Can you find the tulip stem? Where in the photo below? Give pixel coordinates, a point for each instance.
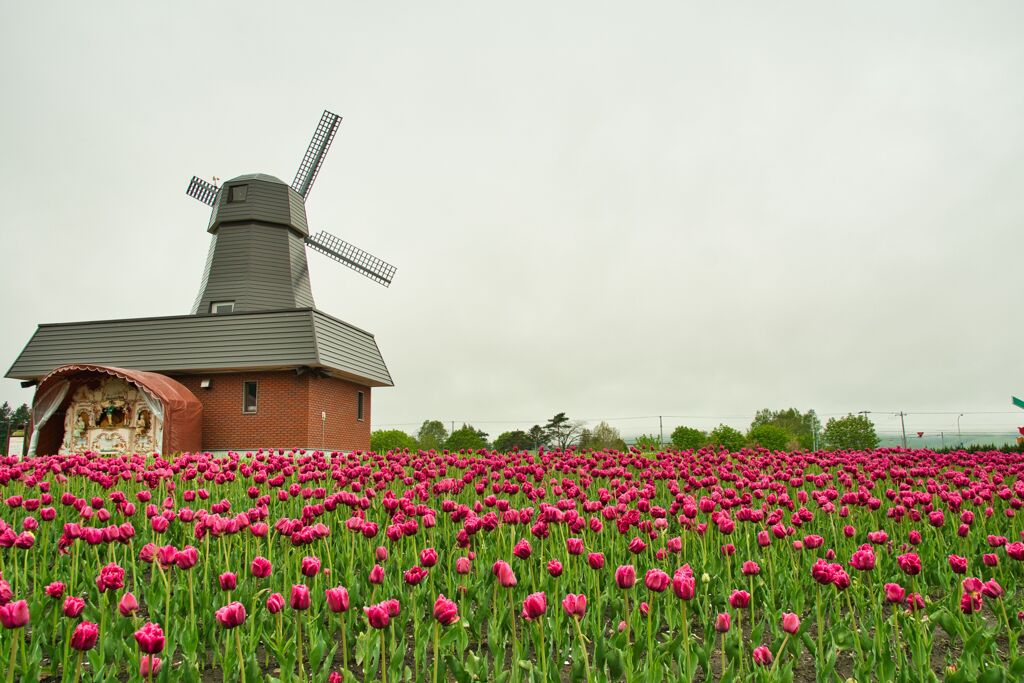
(739, 625)
(383, 659)
(583, 648)
(686, 640)
(821, 629)
(344, 647)
(14, 655)
(298, 640)
(241, 661)
(78, 667)
(897, 650)
(437, 638)
(650, 629)
(625, 600)
(779, 655)
(721, 676)
(543, 658)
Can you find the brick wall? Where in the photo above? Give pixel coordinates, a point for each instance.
(288, 412)
(337, 398)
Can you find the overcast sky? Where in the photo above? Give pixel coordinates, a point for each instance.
(615, 210)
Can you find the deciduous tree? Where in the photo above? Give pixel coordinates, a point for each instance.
(688, 438)
(602, 437)
(508, 441)
(853, 432)
(432, 435)
(724, 435)
(770, 436)
(466, 437)
(801, 425)
(391, 440)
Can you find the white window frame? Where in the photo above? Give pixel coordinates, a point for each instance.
(215, 305)
(255, 407)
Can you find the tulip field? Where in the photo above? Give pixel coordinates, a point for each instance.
(287, 565)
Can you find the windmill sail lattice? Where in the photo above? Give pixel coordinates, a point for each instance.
(315, 153)
(202, 190)
(352, 256)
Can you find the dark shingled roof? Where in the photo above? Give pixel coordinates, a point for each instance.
(277, 339)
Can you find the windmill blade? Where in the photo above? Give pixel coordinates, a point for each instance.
(355, 258)
(315, 153)
(202, 190)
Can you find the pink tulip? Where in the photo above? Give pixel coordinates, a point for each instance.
(446, 611)
(85, 636)
(231, 615)
(534, 606)
(575, 605)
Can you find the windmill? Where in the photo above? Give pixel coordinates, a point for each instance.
(257, 258)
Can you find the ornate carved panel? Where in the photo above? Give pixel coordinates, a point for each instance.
(112, 417)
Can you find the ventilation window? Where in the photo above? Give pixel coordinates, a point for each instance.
(359, 405)
(221, 307)
(249, 397)
(237, 193)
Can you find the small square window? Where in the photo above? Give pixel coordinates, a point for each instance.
(219, 307)
(237, 193)
(249, 397)
(359, 405)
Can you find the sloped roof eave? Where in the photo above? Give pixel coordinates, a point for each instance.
(303, 337)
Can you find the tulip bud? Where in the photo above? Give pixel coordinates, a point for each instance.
(128, 605)
(228, 581)
(14, 614)
(149, 664)
(150, 638)
(337, 599)
(446, 611)
(300, 597)
(261, 567)
(739, 599)
(231, 615)
(575, 605)
(310, 566)
(762, 656)
(534, 606)
(85, 636)
(275, 603)
(73, 606)
(625, 576)
(377, 615)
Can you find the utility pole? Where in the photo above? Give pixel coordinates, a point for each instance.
(661, 432)
(942, 435)
(904, 428)
(959, 436)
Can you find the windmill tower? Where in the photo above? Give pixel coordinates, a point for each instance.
(257, 258)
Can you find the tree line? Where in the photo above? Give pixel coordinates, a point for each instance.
(787, 429)
(12, 420)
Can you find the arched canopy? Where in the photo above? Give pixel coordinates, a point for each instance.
(181, 411)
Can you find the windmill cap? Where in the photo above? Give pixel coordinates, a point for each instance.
(258, 198)
(256, 176)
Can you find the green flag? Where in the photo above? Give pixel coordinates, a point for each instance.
(1017, 402)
